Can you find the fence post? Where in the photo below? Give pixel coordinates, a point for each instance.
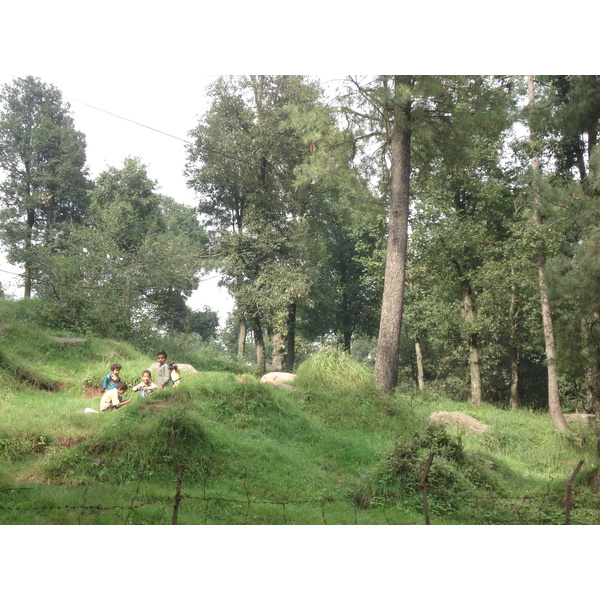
(424, 488)
(177, 494)
(569, 501)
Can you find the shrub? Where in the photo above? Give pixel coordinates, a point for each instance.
(451, 477)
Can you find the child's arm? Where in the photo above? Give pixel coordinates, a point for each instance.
(119, 404)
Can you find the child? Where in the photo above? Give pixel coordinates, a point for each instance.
(113, 399)
(163, 376)
(111, 380)
(175, 374)
(146, 386)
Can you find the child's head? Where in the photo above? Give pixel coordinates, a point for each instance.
(115, 368)
(161, 357)
(172, 366)
(121, 386)
(146, 377)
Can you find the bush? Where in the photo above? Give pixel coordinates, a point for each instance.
(451, 479)
(334, 370)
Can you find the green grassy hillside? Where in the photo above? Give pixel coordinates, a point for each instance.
(332, 450)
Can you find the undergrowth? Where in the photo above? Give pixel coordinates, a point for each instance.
(334, 449)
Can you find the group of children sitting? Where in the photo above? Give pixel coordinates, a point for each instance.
(113, 387)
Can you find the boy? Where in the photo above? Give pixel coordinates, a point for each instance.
(113, 399)
(164, 375)
(111, 380)
(175, 374)
(146, 386)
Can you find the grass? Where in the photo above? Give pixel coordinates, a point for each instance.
(335, 450)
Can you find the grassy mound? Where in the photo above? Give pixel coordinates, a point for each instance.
(334, 449)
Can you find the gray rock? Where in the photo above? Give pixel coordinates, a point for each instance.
(461, 420)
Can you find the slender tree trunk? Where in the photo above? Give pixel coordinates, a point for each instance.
(28, 250)
(556, 414)
(420, 370)
(259, 342)
(241, 346)
(475, 391)
(388, 341)
(514, 348)
(290, 357)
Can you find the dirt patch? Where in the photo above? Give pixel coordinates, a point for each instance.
(68, 441)
(93, 392)
(67, 340)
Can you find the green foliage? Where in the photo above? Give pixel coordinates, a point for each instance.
(130, 267)
(333, 369)
(402, 470)
(42, 157)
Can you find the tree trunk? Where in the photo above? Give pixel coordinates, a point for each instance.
(475, 392)
(514, 348)
(420, 371)
(259, 342)
(388, 341)
(279, 347)
(28, 250)
(290, 357)
(241, 346)
(556, 414)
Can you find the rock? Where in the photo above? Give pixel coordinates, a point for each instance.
(181, 366)
(284, 386)
(67, 340)
(459, 419)
(278, 378)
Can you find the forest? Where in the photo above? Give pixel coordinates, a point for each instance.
(442, 230)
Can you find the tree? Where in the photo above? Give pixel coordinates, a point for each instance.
(129, 268)
(243, 168)
(558, 419)
(43, 158)
(433, 119)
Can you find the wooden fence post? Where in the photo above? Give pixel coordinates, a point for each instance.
(424, 488)
(177, 494)
(569, 501)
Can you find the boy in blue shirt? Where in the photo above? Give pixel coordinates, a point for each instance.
(111, 380)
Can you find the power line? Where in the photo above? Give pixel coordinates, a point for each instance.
(187, 142)
(159, 131)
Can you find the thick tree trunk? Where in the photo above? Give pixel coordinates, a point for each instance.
(259, 342)
(556, 414)
(279, 348)
(290, 357)
(388, 341)
(475, 391)
(420, 370)
(241, 346)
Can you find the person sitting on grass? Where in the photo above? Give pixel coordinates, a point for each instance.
(113, 399)
(175, 374)
(111, 380)
(146, 386)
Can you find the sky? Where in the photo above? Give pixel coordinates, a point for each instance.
(150, 62)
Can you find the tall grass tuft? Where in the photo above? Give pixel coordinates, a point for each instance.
(333, 370)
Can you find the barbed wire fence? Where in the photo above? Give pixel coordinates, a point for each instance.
(518, 507)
